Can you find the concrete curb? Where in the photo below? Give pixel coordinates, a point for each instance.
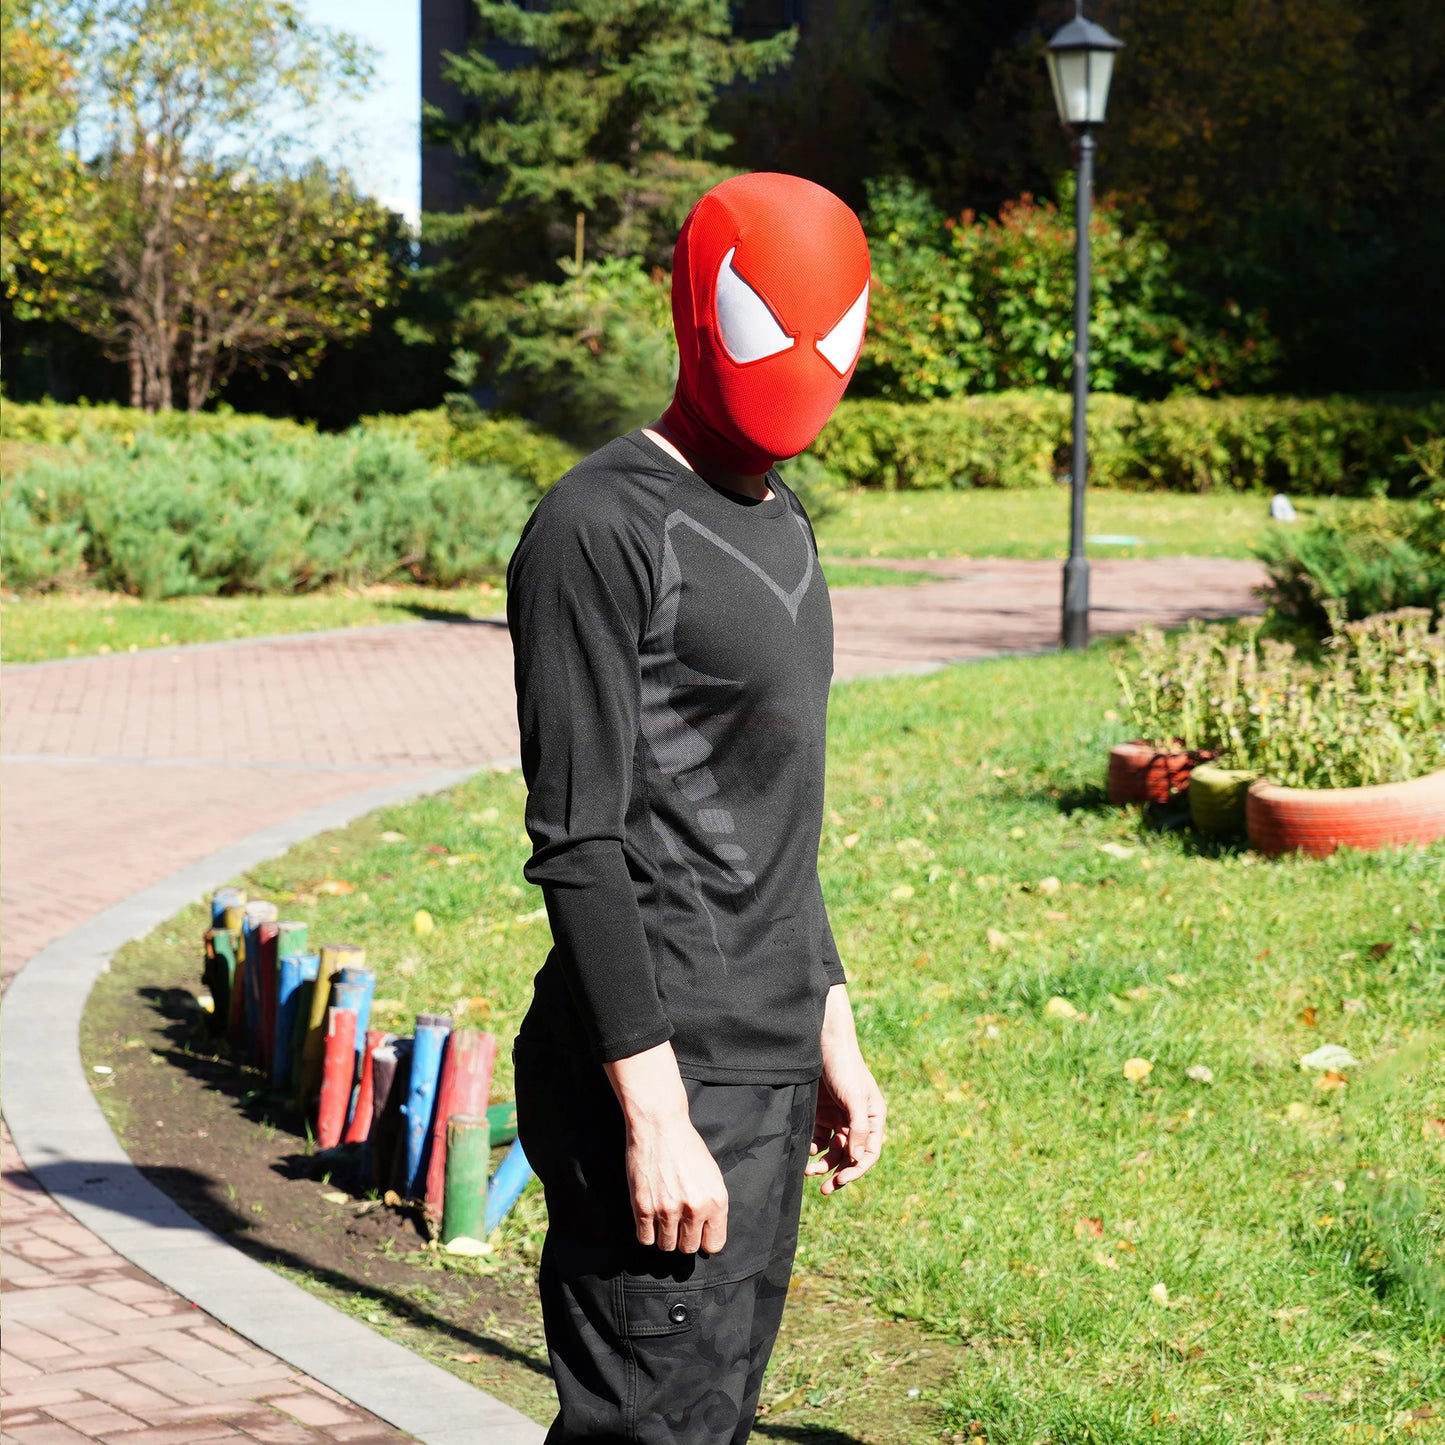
(68, 1146)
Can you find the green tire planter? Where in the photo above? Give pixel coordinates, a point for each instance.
(1216, 799)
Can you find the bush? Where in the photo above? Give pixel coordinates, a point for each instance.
(240, 508)
(1372, 710)
(1337, 446)
(464, 434)
(1385, 558)
(978, 305)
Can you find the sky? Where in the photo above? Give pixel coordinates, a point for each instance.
(376, 138)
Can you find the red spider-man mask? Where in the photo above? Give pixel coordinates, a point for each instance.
(769, 298)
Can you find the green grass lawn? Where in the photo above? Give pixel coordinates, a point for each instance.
(83, 623)
(1158, 1261)
(1036, 523)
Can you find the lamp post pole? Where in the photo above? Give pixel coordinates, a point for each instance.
(1076, 569)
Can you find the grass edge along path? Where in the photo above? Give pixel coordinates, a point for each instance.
(1127, 1250)
(85, 624)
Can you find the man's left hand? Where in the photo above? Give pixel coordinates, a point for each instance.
(849, 1127)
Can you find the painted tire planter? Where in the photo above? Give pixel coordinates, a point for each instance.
(1217, 799)
(1317, 821)
(1142, 773)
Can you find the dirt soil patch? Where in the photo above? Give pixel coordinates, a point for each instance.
(210, 1132)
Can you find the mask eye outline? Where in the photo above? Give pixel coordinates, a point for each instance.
(848, 328)
(747, 327)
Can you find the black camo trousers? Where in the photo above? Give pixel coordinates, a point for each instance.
(648, 1346)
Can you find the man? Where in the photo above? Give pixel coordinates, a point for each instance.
(690, 1042)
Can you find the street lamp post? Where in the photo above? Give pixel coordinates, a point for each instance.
(1081, 64)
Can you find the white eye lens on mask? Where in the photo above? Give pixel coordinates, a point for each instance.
(840, 346)
(749, 329)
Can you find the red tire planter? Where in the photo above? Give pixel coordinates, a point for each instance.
(1317, 821)
(1142, 773)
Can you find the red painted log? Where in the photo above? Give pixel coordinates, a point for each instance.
(466, 1081)
(359, 1129)
(338, 1069)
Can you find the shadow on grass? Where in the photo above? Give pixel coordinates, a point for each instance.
(426, 613)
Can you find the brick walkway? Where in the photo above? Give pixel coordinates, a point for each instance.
(119, 770)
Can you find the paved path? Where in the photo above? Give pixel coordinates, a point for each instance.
(119, 770)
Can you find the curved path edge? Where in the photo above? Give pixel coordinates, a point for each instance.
(69, 1147)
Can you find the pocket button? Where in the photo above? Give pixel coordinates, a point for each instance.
(678, 1314)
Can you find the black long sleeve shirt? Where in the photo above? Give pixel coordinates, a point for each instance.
(673, 647)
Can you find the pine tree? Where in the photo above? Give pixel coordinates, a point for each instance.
(607, 118)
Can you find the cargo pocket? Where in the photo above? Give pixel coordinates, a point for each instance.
(690, 1351)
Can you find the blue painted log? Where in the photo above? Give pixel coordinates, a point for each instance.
(426, 1062)
(221, 900)
(296, 971)
(507, 1185)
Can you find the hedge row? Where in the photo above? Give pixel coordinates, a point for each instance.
(253, 507)
(163, 506)
(1336, 446)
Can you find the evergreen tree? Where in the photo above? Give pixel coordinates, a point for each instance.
(594, 134)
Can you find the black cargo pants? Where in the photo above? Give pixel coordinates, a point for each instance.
(648, 1346)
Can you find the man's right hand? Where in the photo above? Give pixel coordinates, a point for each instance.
(679, 1199)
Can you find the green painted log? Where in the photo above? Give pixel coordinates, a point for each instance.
(502, 1118)
(219, 971)
(469, 1158)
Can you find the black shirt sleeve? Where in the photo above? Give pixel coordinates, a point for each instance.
(832, 964)
(579, 590)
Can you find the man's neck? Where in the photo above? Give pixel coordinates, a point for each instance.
(755, 487)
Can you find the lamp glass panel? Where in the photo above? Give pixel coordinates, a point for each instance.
(1101, 72)
(1072, 85)
(1052, 62)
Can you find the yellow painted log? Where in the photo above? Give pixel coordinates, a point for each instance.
(334, 957)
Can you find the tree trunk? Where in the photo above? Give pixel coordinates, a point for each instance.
(137, 378)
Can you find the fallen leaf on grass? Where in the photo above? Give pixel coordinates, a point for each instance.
(1200, 1073)
(1379, 950)
(392, 836)
(1048, 886)
(1116, 850)
(1329, 1056)
(852, 840)
(437, 848)
(1309, 1017)
(1352, 1005)
(1433, 1128)
(1105, 1260)
(1141, 993)
(1087, 1228)
(335, 887)
(1179, 980)
(901, 892)
(1137, 1070)
(423, 923)
(466, 1359)
(1331, 1079)
(1297, 1111)
(1054, 916)
(1159, 1293)
(996, 939)
(1060, 1008)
